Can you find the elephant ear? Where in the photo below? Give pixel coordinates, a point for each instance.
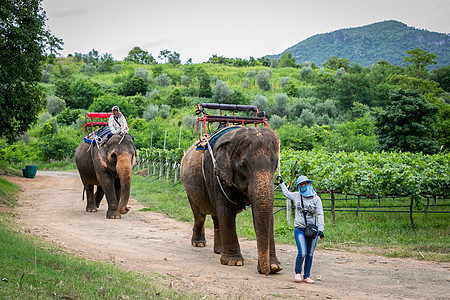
(102, 152)
(223, 163)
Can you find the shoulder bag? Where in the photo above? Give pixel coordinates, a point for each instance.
(311, 230)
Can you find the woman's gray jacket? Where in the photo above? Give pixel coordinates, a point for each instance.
(313, 208)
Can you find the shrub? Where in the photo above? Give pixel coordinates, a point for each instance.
(143, 74)
(221, 92)
(276, 122)
(45, 76)
(55, 105)
(189, 122)
(176, 99)
(263, 81)
(284, 82)
(82, 93)
(133, 86)
(151, 112)
(261, 102)
(163, 80)
(68, 116)
(281, 106)
(307, 118)
(164, 111)
(327, 108)
(106, 102)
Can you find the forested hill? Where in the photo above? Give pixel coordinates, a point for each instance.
(387, 40)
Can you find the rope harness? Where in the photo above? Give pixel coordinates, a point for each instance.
(213, 139)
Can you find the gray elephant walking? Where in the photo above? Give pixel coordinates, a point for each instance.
(108, 168)
(240, 174)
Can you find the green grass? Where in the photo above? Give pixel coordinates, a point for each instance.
(388, 234)
(33, 269)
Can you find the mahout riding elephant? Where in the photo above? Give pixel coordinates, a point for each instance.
(242, 174)
(109, 168)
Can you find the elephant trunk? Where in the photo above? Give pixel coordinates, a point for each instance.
(261, 194)
(123, 169)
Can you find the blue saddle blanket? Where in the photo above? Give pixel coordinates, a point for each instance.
(215, 136)
(98, 136)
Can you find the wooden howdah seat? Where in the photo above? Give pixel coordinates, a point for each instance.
(203, 118)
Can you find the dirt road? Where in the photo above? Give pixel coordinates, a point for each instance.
(50, 206)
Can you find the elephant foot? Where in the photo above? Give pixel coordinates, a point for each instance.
(275, 266)
(200, 242)
(218, 250)
(90, 209)
(113, 215)
(237, 260)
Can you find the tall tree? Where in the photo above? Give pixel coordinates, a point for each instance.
(139, 56)
(420, 58)
(24, 42)
(406, 124)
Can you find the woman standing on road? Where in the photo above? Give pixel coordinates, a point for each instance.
(310, 208)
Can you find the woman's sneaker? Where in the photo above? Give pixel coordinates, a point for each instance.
(298, 278)
(308, 280)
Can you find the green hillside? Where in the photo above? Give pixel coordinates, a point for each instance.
(387, 40)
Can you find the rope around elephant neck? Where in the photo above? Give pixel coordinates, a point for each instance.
(217, 177)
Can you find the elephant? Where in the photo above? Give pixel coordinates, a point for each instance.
(241, 174)
(109, 168)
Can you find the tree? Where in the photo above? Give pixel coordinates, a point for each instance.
(287, 60)
(24, 42)
(174, 58)
(420, 58)
(335, 63)
(82, 93)
(204, 90)
(176, 99)
(281, 107)
(133, 86)
(163, 80)
(139, 56)
(442, 76)
(163, 54)
(406, 124)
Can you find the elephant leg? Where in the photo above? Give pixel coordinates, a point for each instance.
(108, 185)
(217, 239)
(231, 250)
(98, 196)
(198, 231)
(275, 265)
(90, 205)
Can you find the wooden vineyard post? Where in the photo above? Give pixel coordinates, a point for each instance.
(288, 211)
(332, 208)
(411, 212)
(357, 208)
(175, 167)
(168, 170)
(161, 167)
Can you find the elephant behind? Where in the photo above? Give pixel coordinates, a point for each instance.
(109, 168)
(245, 162)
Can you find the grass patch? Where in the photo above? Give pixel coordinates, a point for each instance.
(388, 234)
(32, 269)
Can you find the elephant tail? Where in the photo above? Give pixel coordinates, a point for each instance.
(82, 195)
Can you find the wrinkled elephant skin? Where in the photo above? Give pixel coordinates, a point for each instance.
(108, 168)
(246, 160)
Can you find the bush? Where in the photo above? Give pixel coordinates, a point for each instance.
(68, 116)
(263, 81)
(164, 111)
(163, 80)
(55, 105)
(276, 122)
(261, 102)
(151, 112)
(106, 102)
(281, 106)
(297, 137)
(59, 146)
(327, 108)
(307, 118)
(284, 82)
(82, 93)
(176, 99)
(221, 92)
(143, 74)
(45, 76)
(133, 86)
(189, 122)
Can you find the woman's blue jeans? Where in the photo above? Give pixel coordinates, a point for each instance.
(305, 251)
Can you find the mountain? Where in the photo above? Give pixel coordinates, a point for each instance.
(366, 45)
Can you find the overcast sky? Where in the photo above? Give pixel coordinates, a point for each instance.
(198, 29)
